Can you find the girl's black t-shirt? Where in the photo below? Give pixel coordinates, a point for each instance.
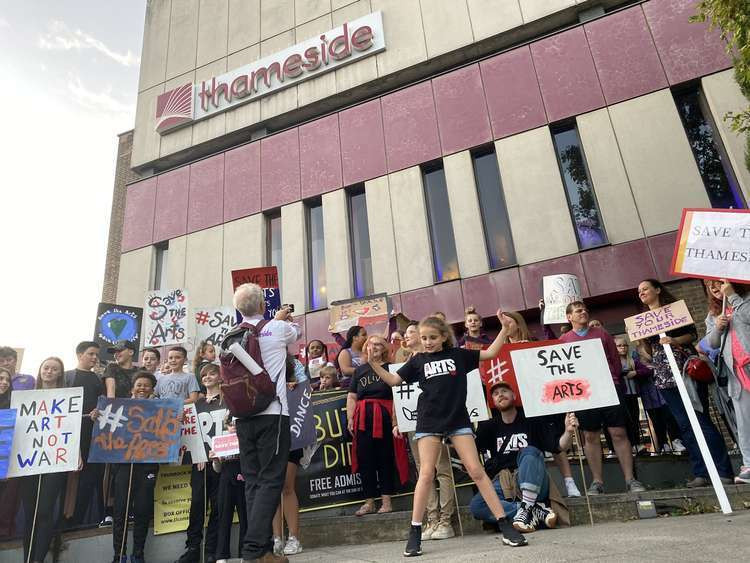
(368, 385)
(442, 377)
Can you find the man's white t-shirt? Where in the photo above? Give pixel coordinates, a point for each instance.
(274, 339)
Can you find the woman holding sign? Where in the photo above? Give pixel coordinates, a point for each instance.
(653, 295)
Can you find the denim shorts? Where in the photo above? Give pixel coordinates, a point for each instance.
(457, 432)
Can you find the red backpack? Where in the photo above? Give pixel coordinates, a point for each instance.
(245, 394)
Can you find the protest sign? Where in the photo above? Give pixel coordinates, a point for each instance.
(7, 427)
(213, 323)
(191, 437)
(117, 322)
(165, 319)
(225, 445)
(136, 431)
(361, 311)
(406, 397)
(556, 377)
(713, 243)
(172, 499)
(301, 418)
(268, 279)
(500, 369)
(559, 291)
(653, 322)
(47, 434)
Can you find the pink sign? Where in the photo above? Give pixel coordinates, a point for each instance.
(225, 445)
(650, 323)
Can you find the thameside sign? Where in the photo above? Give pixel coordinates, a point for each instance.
(342, 45)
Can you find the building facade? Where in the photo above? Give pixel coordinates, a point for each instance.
(449, 153)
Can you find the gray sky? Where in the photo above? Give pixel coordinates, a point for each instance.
(69, 84)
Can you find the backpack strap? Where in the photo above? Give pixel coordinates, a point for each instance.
(256, 329)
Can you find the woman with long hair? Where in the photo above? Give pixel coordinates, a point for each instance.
(350, 356)
(6, 387)
(653, 294)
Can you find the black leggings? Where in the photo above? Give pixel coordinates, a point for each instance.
(142, 500)
(664, 424)
(231, 496)
(47, 512)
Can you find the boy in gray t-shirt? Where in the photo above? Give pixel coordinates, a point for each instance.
(177, 384)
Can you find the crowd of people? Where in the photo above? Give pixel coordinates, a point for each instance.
(505, 456)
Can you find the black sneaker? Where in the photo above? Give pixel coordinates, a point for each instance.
(414, 545)
(190, 556)
(511, 536)
(544, 515)
(523, 521)
(106, 522)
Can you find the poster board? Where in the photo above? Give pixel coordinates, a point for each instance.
(500, 369)
(212, 324)
(117, 322)
(559, 291)
(268, 279)
(172, 499)
(225, 445)
(191, 437)
(362, 311)
(7, 429)
(165, 317)
(301, 418)
(653, 322)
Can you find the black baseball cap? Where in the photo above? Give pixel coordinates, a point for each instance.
(121, 345)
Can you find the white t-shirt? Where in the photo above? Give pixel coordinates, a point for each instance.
(274, 339)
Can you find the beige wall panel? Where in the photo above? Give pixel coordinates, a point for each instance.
(490, 17)
(364, 70)
(177, 139)
(306, 10)
(176, 262)
(276, 16)
(535, 9)
(294, 256)
(337, 246)
(658, 159)
(155, 42)
(723, 95)
(244, 247)
(336, 4)
(382, 241)
(213, 126)
(244, 24)
(325, 85)
(135, 276)
(203, 266)
(535, 197)
(608, 175)
(146, 141)
(212, 31)
(248, 113)
(413, 249)
(350, 12)
(446, 26)
(183, 38)
(465, 214)
(286, 99)
(404, 35)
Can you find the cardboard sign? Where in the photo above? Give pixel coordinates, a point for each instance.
(172, 499)
(301, 419)
(211, 419)
(191, 439)
(559, 291)
(225, 445)
(500, 369)
(165, 318)
(361, 311)
(714, 244)
(268, 279)
(406, 397)
(47, 434)
(136, 431)
(7, 428)
(650, 323)
(212, 324)
(117, 322)
(559, 377)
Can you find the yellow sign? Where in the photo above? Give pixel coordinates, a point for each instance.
(172, 499)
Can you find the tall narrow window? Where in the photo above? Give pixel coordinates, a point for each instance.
(360, 240)
(578, 188)
(441, 226)
(497, 233)
(273, 242)
(159, 279)
(713, 163)
(316, 255)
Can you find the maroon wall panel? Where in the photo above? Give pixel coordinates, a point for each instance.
(138, 224)
(171, 204)
(493, 291)
(512, 91)
(532, 274)
(410, 126)
(445, 297)
(206, 196)
(320, 156)
(625, 55)
(279, 169)
(316, 326)
(362, 143)
(662, 250)
(461, 109)
(566, 74)
(616, 268)
(242, 181)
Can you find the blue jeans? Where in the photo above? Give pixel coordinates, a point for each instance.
(532, 476)
(715, 442)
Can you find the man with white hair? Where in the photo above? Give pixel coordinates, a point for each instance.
(264, 439)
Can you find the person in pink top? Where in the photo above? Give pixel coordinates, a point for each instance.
(613, 418)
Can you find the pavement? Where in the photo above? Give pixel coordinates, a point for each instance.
(704, 537)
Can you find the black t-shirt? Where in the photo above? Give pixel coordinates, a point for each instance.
(504, 440)
(123, 379)
(368, 385)
(93, 388)
(442, 378)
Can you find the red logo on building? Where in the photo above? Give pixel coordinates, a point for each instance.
(174, 108)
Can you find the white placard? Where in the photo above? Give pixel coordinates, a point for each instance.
(559, 291)
(212, 324)
(192, 437)
(165, 317)
(225, 445)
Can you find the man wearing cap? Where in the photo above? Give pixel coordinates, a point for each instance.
(516, 445)
(118, 374)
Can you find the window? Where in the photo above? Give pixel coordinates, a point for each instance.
(578, 188)
(159, 280)
(273, 242)
(360, 241)
(441, 227)
(497, 233)
(713, 163)
(316, 256)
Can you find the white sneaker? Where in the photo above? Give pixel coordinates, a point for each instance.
(292, 546)
(278, 546)
(221, 561)
(572, 489)
(428, 530)
(678, 446)
(443, 531)
(666, 449)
